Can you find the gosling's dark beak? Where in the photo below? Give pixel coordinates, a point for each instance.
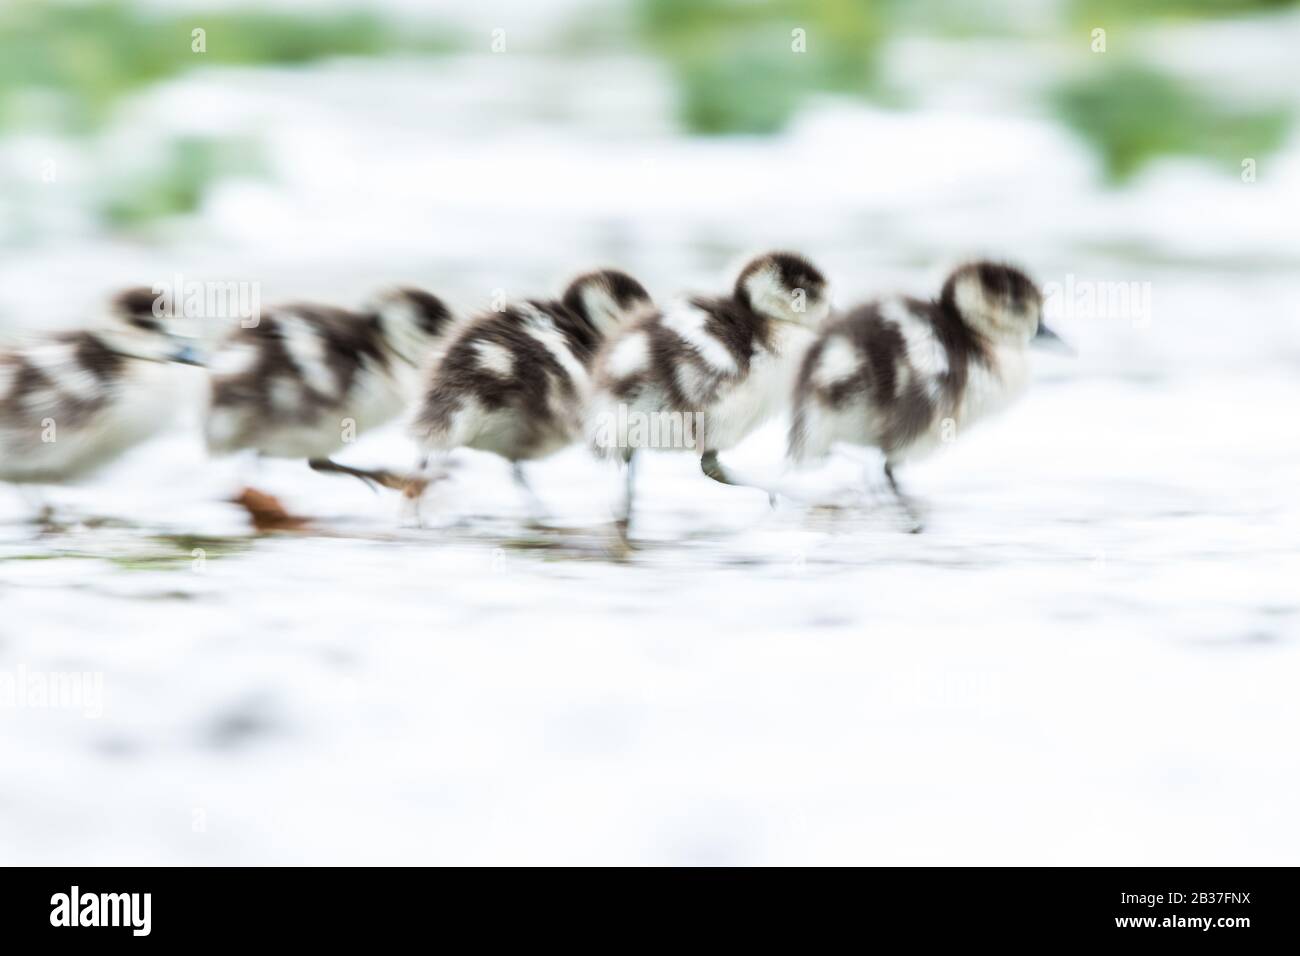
(1045, 338)
(186, 355)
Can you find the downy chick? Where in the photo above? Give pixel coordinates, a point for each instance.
(902, 374)
(516, 382)
(305, 378)
(705, 373)
(71, 402)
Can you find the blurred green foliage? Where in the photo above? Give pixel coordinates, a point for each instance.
(90, 54)
(1131, 114)
(176, 183)
(736, 73)
(1095, 11)
(735, 63)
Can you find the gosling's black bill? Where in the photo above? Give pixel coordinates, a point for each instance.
(187, 355)
(1045, 338)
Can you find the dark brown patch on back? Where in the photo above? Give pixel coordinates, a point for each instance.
(351, 345)
(432, 314)
(96, 357)
(536, 376)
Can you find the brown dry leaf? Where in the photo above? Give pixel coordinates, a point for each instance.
(267, 513)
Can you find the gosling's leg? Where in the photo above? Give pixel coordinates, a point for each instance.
(373, 479)
(413, 493)
(909, 507)
(39, 510)
(624, 521)
(537, 510)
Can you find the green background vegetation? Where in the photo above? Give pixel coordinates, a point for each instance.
(89, 55)
(65, 67)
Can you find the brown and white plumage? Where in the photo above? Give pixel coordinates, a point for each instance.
(903, 374)
(516, 382)
(724, 362)
(306, 378)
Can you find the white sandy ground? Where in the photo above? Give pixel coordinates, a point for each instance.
(1089, 657)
